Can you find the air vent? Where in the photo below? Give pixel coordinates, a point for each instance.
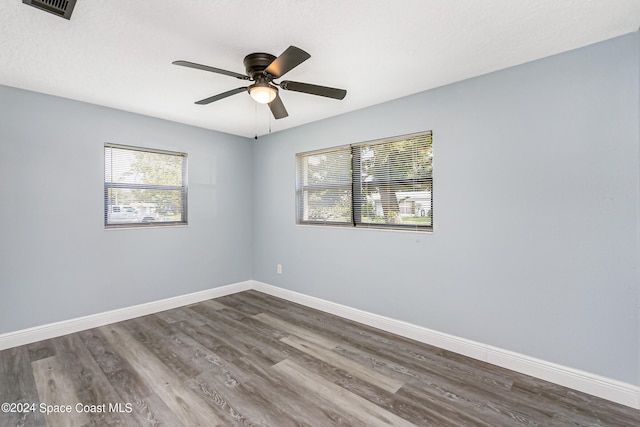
(61, 8)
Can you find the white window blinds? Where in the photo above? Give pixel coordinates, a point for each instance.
(324, 187)
(378, 184)
(144, 187)
(394, 183)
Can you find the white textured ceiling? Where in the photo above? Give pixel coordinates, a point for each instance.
(118, 53)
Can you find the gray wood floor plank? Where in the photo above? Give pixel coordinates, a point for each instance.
(161, 346)
(245, 389)
(291, 329)
(566, 404)
(212, 304)
(148, 408)
(210, 361)
(183, 357)
(57, 390)
(253, 359)
(230, 344)
(403, 357)
(353, 368)
(300, 406)
(243, 304)
(465, 384)
(359, 410)
(41, 349)
(17, 386)
(91, 386)
(244, 335)
(454, 409)
(244, 405)
(181, 314)
(300, 357)
(214, 386)
(190, 409)
(410, 409)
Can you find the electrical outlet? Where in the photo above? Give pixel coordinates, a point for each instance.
(279, 268)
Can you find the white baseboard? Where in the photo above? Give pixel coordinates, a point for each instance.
(52, 330)
(595, 385)
(606, 388)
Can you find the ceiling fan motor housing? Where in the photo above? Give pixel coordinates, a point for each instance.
(255, 64)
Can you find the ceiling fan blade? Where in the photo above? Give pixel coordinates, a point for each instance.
(289, 59)
(329, 92)
(220, 96)
(277, 108)
(211, 69)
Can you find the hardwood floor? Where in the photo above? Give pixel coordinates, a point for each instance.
(252, 359)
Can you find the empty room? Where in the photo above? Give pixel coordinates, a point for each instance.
(320, 213)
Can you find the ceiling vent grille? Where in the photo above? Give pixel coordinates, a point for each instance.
(61, 8)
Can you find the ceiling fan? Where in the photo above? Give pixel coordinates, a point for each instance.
(262, 69)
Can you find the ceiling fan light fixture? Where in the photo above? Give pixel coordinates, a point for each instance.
(263, 93)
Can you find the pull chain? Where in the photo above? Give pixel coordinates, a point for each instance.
(256, 116)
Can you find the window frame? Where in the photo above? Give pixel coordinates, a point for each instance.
(357, 184)
(146, 186)
(302, 188)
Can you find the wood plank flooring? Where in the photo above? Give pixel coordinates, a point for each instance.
(250, 359)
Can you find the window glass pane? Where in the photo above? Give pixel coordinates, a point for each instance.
(395, 182)
(332, 167)
(396, 204)
(144, 187)
(324, 186)
(130, 166)
(143, 206)
(327, 205)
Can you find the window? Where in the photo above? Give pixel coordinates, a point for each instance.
(144, 187)
(325, 186)
(378, 184)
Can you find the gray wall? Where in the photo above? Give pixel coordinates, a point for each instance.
(536, 200)
(57, 262)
